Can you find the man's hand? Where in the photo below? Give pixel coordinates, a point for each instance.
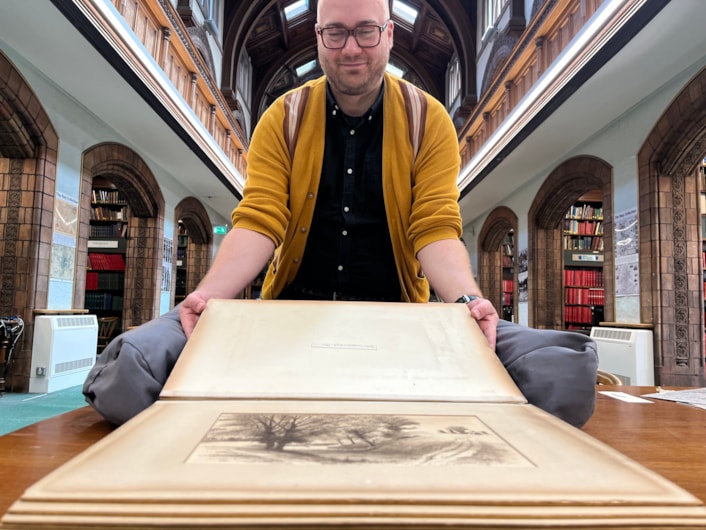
(240, 258)
(190, 310)
(446, 264)
(487, 317)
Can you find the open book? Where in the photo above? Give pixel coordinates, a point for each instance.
(347, 414)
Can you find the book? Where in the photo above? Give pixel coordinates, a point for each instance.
(347, 415)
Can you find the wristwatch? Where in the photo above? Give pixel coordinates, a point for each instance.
(465, 298)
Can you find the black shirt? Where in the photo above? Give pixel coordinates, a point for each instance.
(348, 250)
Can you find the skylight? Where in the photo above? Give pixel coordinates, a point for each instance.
(405, 11)
(395, 70)
(295, 9)
(305, 68)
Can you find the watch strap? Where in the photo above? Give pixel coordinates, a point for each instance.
(465, 298)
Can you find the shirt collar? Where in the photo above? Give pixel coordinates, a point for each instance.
(332, 108)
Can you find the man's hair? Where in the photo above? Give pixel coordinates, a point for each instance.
(389, 8)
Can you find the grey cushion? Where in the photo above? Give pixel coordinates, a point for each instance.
(130, 372)
(555, 370)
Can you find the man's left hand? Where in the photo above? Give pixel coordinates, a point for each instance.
(487, 317)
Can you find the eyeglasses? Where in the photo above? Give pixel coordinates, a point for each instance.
(366, 36)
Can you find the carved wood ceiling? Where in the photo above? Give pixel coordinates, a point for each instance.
(277, 46)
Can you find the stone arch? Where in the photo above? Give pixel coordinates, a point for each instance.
(145, 236)
(502, 49)
(560, 190)
(497, 225)
(199, 37)
(28, 161)
(671, 267)
(200, 248)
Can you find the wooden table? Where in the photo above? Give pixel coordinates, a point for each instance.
(667, 437)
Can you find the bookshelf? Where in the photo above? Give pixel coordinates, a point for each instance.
(109, 214)
(584, 292)
(508, 277)
(107, 244)
(181, 263)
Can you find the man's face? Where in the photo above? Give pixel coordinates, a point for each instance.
(353, 70)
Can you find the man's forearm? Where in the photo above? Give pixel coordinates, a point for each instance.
(448, 269)
(242, 255)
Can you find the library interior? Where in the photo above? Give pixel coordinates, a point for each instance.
(125, 134)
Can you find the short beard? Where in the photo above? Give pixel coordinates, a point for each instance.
(338, 83)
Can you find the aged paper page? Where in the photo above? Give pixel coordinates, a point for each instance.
(339, 350)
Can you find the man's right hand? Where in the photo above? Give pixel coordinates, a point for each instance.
(190, 310)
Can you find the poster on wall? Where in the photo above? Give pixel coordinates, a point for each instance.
(167, 251)
(63, 248)
(65, 215)
(522, 275)
(627, 269)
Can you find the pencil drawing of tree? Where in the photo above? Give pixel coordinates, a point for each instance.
(371, 431)
(354, 439)
(276, 432)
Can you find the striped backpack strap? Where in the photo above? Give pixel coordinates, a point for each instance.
(415, 103)
(294, 105)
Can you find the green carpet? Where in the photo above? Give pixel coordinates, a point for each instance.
(20, 410)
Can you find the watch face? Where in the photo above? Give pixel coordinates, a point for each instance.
(464, 299)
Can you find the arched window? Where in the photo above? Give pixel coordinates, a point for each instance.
(491, 13)
(453, 84)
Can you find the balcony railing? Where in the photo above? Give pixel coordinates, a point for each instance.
(548, 33)
(157, 25)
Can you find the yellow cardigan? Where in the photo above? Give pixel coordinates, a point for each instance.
(421, 200)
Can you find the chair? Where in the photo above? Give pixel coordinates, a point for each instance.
(106, 328)
(606, 378)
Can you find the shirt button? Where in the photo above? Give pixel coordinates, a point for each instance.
(340, 267)
(349, 171)
(352, 132)
(344, 232)
(346, 209)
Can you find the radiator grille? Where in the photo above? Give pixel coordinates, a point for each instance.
(69, 366)
(75, 322)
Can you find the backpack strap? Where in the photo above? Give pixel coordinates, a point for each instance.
(294, 105)
(415, 103)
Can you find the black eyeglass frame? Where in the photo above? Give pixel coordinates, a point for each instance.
(352, 33)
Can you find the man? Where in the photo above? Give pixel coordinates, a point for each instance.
(425, 231)
(353, 211)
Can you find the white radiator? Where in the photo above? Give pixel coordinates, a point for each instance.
(627, 353)
(63, 351)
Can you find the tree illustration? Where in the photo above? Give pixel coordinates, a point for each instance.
(275, 432)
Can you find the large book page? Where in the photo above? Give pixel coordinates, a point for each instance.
(243, 464)
(281, 349)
